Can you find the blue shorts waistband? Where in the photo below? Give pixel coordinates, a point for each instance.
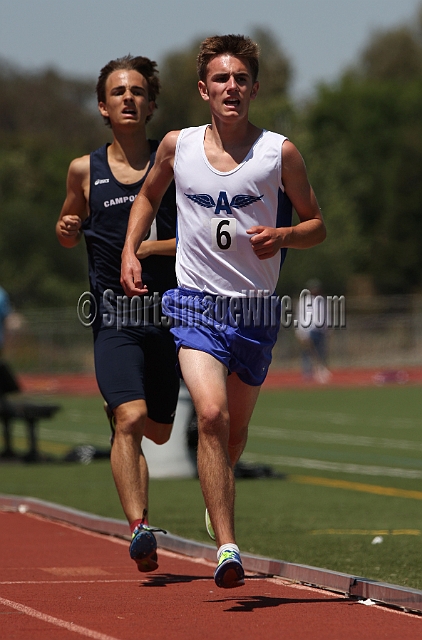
(189, 308)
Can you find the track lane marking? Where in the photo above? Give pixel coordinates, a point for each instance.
(368, 532)
(70, 626)
(62, 436)
(340, 418)
(120, 580)
(301, 435)
(357, 486)
(342, 467)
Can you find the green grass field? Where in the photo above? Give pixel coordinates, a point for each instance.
(350, 467)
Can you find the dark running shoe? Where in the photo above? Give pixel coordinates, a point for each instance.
(143, 548)
(229, 572)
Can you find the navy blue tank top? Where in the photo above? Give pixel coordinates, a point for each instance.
(105, 228)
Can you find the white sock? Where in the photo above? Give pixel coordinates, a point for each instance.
(230, 546)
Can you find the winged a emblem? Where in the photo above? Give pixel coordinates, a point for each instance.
(240, 201)
(202, 198)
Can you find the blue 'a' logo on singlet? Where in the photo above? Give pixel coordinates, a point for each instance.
(223, 205)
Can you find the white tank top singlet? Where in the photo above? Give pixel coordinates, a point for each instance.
(214, 210)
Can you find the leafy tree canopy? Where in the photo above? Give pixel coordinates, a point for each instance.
(364, 136)
(39, 136)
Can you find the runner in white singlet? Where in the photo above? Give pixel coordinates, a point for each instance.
(232, 179)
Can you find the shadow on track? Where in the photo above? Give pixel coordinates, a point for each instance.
(251, 603)
(164, 579)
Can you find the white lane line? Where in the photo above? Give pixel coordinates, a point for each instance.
(302, 415)
(54, 435)
(67, 581)
(324, 465)
(333, 438)
(70, 626)
(339, 418)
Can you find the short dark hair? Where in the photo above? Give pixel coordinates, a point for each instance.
(144, 66)
(235, 45)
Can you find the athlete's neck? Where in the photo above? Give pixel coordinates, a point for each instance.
(129, 156)
(226, 146)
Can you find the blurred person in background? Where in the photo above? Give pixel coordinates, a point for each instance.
(135, 358)
(5, 312)
(311, 332)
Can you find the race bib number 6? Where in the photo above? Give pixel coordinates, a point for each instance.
(223, 234)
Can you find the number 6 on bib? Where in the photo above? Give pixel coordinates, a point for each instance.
(223, 234)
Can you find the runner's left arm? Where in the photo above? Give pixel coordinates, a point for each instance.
(157, 248)
(310, 231)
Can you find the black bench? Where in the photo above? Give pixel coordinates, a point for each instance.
(29, 412)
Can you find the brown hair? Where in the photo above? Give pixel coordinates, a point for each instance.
(235, 45)
(144, 66)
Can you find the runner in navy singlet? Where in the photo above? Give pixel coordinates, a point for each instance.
(135, 357)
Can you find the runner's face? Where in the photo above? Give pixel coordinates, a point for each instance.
(229, 87)
(127, 99)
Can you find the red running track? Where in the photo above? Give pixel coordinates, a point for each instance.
(85, 384)
(61, 582)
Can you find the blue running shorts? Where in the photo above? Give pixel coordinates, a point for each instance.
(133, 363)
(239, 332)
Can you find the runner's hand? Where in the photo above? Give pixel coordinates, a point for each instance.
(131, 275)
(265, 241)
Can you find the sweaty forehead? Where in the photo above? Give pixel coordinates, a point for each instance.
(125, 77)
(226, 63)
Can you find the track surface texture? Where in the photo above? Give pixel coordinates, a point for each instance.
(59, 582)
(85, 384)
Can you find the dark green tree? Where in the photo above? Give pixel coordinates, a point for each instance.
(48, 107)
(179, 102)
(272, 108)
(45, 121)
(364, 140)
(395, 55)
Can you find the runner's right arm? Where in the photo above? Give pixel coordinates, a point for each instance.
(75, 206)
(143, 212)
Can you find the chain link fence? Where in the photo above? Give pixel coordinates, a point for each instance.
(383, 332)
(49, 341)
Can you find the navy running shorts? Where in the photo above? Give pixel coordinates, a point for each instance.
(240, 333)
(133, 363)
